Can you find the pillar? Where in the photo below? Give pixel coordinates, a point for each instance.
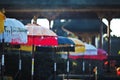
(109, 43)
(100, 15)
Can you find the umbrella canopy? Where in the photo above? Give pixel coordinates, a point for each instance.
(64, 44)
(14, 31)
(79, 45)
(37, 30)
(89, 50)
(65, 41)
(101, 55)
(2, 18)
(39, 36)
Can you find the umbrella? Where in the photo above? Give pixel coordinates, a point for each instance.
(71, 45)
(89, 50)
(14, 33)
(64, 41)
(38, 36)
(2, 18)
(64, 44)
(79, 45)
(91, 53)
(101, 55)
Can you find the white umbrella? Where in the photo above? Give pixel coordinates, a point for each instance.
(90, 49)
(14, 32)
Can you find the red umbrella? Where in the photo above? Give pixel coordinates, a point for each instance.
(39, 36)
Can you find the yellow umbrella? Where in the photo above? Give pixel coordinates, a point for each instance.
(2, 18)
(79, 45)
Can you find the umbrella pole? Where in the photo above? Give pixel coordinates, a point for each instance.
(54, 63)
(19, 68)
(68, 65)
(20, 64)
(32, 70)
(2, 67)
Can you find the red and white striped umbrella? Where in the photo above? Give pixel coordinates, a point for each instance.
(40, 36)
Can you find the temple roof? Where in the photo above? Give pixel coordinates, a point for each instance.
(26, 9)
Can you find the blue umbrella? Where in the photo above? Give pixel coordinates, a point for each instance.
(65, 44)
(64, 41)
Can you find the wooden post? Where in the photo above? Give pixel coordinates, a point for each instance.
(49, 23)
(35, 19)
(101, 35)
(109, 43)
(100, 15)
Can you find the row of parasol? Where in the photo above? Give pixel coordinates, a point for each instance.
(33, 37)
(41, 39)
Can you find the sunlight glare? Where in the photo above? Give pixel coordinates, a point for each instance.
(115, 25)
(43, 22)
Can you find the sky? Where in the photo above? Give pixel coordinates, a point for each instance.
(43, 22)
(115, 25)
